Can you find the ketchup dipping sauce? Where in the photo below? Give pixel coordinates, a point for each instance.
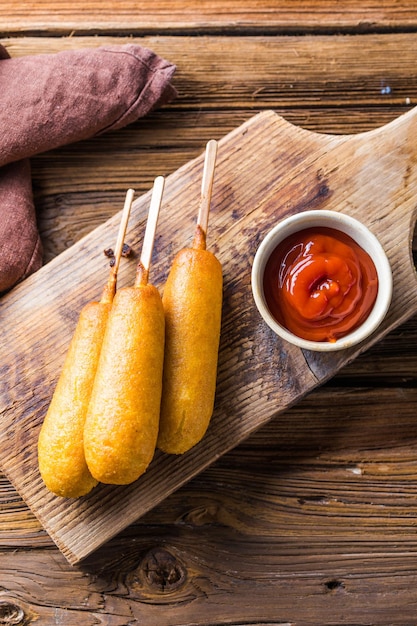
(321, 280)
(320, 284)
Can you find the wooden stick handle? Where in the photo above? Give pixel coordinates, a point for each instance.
(110, 288)
(206, 191)
(150, 230)
(122, 229)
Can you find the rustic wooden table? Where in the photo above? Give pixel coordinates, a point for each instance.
(312, 520)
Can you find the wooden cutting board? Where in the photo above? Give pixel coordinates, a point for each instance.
(266, 169)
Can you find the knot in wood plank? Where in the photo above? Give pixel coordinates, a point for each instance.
(161, 571)
(334, 585)
(11, 614)
(202, 515)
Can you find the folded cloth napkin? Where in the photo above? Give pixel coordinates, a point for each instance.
(20, 244)
(49, 100)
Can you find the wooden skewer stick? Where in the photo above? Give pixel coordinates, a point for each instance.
(122, 229)
(206, 191)
(150, 230)
(110, 288)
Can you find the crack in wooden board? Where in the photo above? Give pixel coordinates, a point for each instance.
(266, 169)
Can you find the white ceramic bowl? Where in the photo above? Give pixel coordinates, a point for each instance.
(363, 237)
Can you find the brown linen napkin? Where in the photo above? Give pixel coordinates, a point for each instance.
(20, 244)
(49, 100)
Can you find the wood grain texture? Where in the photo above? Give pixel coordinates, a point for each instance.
(312, 519)
(369, 176)
(326, 84)
(268, 71)
(127, 15)
(311, 506)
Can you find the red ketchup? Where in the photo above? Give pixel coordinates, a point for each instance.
(320, 284)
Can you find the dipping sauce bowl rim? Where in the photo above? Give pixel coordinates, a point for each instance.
(363, 237)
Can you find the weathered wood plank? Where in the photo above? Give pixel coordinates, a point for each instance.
(338, 447)
(183, 583)
(61, 16)
(272, 71)
(312, 519)
(250, 389)
(80, 186)
(294, 510)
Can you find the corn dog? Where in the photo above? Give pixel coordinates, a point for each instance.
(122, 420)
(60, 445)
(192, 302)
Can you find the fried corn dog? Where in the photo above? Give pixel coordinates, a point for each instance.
(61, 457)
(192, 302)
(122, 420)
